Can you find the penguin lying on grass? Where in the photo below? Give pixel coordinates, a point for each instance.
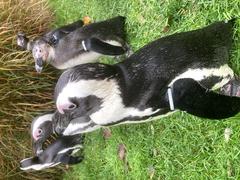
(76, 44)
(172, 73)
(60, 151)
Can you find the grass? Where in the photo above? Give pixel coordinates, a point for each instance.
(177, 147)
(23, 92)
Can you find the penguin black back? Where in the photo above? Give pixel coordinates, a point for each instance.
(166, 58)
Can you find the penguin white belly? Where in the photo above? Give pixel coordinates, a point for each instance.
(88, 57)
(224, 72)
(111, 114)
(153, 118)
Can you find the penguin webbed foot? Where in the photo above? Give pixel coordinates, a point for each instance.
(232, 88)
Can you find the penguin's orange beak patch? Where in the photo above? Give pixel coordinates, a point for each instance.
(86, 20)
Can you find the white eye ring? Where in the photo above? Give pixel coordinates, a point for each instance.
(72, 106)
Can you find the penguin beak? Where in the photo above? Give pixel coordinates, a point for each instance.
(39, 65)
(39, 151)
(37, 148)
(59, 130)
(60, 109)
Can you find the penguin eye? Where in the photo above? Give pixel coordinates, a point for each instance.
(39, 131)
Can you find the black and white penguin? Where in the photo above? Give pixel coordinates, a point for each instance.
(52, 37)
(153, 82)
(80, 44)
(60, 151)
(43, 126)
(41, 130)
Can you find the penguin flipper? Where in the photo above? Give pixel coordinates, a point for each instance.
(96, 45)
(190, 96)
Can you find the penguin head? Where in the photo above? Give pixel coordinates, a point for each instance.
(41, 130)
(83, 89)
(42, 52)
(42, 47)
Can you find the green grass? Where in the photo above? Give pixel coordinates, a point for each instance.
(180, 146)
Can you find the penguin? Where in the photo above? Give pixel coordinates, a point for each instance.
(144, 85)
(60, 151)
(81, 44)
(52, 37)
(43, 126)
(41, 130)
